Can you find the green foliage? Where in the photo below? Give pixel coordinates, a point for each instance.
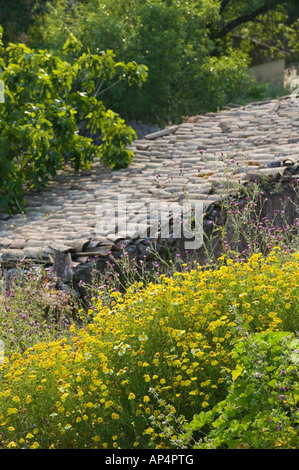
(16, 16)
(197, 52)
(170, 37)
(46, 99)
(268, 32)
(261, 408)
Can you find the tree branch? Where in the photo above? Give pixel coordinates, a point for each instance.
(110, 86)
(244, 19)
(223, 5)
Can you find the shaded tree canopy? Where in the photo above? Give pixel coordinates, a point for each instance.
(16, 16)
(272, 22)
(197, 52)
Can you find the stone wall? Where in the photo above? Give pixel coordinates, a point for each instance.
(273, 72)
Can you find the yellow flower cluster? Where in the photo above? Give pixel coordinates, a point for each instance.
(171, 340)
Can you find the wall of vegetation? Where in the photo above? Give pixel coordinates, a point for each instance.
(72, 72)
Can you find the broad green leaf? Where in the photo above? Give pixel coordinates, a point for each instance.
(237, 372)
(273, 383)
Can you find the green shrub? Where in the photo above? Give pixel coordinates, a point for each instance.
(46, 99)
(261, 408)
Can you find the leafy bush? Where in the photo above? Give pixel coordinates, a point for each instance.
(46, 99)
(154, 353)
(261, 408)
(188, 71)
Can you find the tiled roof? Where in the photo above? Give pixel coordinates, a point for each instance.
(197, 157)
